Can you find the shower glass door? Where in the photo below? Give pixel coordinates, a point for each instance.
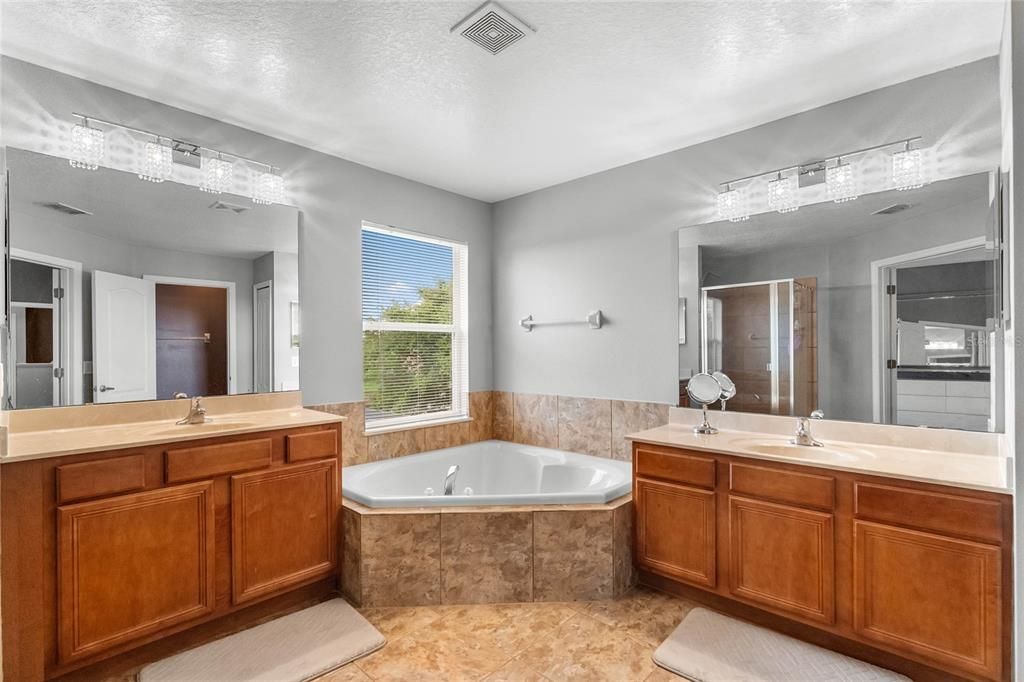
(748, 333)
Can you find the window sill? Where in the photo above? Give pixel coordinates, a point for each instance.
(426, 424)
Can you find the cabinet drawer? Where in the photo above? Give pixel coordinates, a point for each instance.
(672, 465)
(940, 512)
(209, 461)
(315, 445)
(100, 478)
(805, 490)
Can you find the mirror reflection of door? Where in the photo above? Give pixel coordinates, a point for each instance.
(37, 314)
(762, 336)
(124, 338)
(191, 340)
(263, 336)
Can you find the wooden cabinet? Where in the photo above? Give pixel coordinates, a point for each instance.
(675, 528)
(936, 596)
(781, 557)
(112, 556)
(282, 528)
(133, 564)
(870, 564)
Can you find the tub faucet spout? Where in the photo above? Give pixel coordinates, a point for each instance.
(449, 479)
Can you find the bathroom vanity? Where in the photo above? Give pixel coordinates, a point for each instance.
(844, 555)
(117, 536)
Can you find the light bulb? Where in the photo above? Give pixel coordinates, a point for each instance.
(732, 205)
(840, 182)
(218, 175)
(87, 147)
(906, 169)
(783, 193)
(157, 162)
(267, 188)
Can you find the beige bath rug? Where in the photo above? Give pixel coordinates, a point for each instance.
(710, 647)
(296, 647)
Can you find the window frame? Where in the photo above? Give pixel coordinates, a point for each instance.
(458, 329)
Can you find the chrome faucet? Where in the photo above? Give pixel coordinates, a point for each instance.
(803, 434)
(449, 479)
(196, 413)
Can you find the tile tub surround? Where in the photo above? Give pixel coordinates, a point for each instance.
(465, 555)
(590, 426)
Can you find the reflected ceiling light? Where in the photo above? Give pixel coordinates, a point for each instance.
(840, 182)
(218, 174)
(907, 171)
(783, 193)
(267, 187)
(157, 161)
(87, 146)
(733, 204)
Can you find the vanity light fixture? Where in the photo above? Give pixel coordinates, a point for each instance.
(907, 171)
(87, 145)
(784, 192)
(733, 204)
(218, 174)
(840, 182)
(157, 161)
(159, 154)
(267, 187)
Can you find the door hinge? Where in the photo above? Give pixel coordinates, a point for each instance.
(890, 289)
(58, 292)
(890, 364)
(58, 372)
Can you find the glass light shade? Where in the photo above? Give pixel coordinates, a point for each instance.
(267, 188)
(783, 193)
(732, 205)
(87, 147)
(841, 183)
(157, 162)
(907, 172)
(218, 175)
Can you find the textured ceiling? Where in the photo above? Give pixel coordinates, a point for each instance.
(599, 85)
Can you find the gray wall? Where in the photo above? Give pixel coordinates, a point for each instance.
(843, 269)
(334, 195)
(609, 240)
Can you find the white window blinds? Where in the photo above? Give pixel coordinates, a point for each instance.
(415, 341)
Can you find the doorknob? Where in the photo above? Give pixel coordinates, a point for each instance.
(104, 389)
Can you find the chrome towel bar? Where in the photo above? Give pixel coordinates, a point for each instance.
(595, 319)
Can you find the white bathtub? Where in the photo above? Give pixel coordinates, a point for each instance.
(498, 473)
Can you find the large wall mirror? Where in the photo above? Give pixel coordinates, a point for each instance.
(125, 290)
(885, 309)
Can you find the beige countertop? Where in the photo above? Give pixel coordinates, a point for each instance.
(96, 438)
(974, 471)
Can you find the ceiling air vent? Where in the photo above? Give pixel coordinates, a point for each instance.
(889, 210)
(225, 206)
(67, 208)
(493, 27)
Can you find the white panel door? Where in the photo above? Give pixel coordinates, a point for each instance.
(123, 338)
(263, 337)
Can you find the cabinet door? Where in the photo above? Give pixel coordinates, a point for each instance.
(782, 557)
(282, 528)
(132, 565)
(676, 531)
(931, 595)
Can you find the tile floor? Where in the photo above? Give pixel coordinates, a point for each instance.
(538, 642)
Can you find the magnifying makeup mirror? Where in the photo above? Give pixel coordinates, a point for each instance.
(704, 389)
(728, 387)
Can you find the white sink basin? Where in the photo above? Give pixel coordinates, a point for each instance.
(213, 425)
(783, 448)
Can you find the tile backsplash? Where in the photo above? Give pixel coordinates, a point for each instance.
(587, 425)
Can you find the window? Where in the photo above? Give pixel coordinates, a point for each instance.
(415, 340)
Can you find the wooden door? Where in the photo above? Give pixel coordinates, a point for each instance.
(928, 594)
(191, 340)
(283, 528)
(782, 557)
(675, 528)
(132, 565)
